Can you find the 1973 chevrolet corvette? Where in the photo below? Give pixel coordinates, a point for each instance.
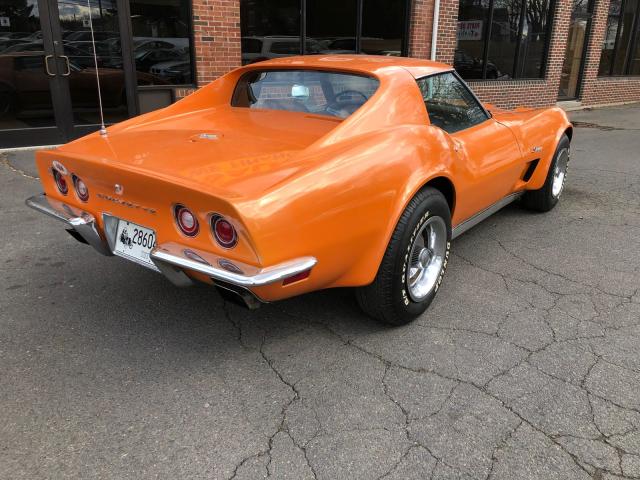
(304, 173)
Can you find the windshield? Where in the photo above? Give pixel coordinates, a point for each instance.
(309, 91)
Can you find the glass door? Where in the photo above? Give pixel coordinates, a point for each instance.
(577, 41)
(29, 84)
(48, 78)
(73, 22)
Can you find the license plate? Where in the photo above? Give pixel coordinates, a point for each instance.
(135, 242)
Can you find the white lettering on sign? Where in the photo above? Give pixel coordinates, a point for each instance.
(470, 30)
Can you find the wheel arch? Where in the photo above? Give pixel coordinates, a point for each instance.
(569, 132)
(445, 186)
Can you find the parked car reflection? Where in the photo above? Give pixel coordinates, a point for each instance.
(24, 90)
(470, 67)
(175, 71)
(256, 49)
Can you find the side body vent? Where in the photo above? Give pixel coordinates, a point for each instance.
(530, 169)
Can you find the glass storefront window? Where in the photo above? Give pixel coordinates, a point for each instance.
(621, 46)
(273, 28)
(162, 42)
(331, 26)
(266, 25)
(533, 44)
(472, 27)
(502, 39)
(25, 97)
(383, 23)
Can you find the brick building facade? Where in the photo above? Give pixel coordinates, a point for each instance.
(217, 45)
(150, 52)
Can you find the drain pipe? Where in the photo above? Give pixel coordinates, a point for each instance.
(434, 31)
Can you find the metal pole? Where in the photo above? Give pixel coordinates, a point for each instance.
(434, 31)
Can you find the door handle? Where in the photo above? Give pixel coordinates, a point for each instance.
(68, 72)
(46, 65)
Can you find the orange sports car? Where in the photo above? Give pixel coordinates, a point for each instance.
(304, 173)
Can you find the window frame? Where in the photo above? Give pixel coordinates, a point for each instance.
(404, 50)
(488, 29)
(632, 45)
(467, 88)
(128, 43)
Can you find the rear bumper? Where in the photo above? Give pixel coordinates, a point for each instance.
(171, 259)
(81, 222)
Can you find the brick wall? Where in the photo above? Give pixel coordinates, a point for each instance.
(216, 31)
(447, 31)
(420, 25)
(603, 90)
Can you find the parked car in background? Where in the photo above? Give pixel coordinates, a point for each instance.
(305, 173)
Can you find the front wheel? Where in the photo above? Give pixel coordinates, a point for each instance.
(545, 198)
(414, 263)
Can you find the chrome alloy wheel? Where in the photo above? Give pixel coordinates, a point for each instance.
(560, 172)
(426, 258)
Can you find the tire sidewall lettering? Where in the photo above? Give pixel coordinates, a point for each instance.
(404, 294)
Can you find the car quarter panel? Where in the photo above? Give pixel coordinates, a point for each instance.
(344, 212)
(538, 132)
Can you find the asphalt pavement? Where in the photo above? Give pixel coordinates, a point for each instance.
(526, 366)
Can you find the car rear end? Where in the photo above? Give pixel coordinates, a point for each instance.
(164, 224)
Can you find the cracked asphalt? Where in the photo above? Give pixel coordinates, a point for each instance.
(526, 366)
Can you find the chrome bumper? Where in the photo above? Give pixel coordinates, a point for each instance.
(172, 259)
(83, 223)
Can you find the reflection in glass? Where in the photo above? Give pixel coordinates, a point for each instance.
(25, 97)
(503, 42)
(79, 67)
(382, 27)
(625, 36)
(269, 29)
(575, 47)
(621, 47)
(472, 26)
(511, 46)
(307, 91)
(606, 58)
(535, 28)
(331, 26)
(161, 41)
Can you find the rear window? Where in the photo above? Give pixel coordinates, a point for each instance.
(309, 91)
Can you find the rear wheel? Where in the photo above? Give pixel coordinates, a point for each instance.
(545, 198)
(414, 263)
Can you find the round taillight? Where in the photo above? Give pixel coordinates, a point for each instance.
(223, 231)
(186, 220)
(81, 189)
(61, 182)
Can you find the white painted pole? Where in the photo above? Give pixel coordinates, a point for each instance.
(434, 32)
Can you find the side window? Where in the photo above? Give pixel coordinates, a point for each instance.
(450, 105)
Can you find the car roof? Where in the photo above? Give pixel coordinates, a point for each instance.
(370, 64)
